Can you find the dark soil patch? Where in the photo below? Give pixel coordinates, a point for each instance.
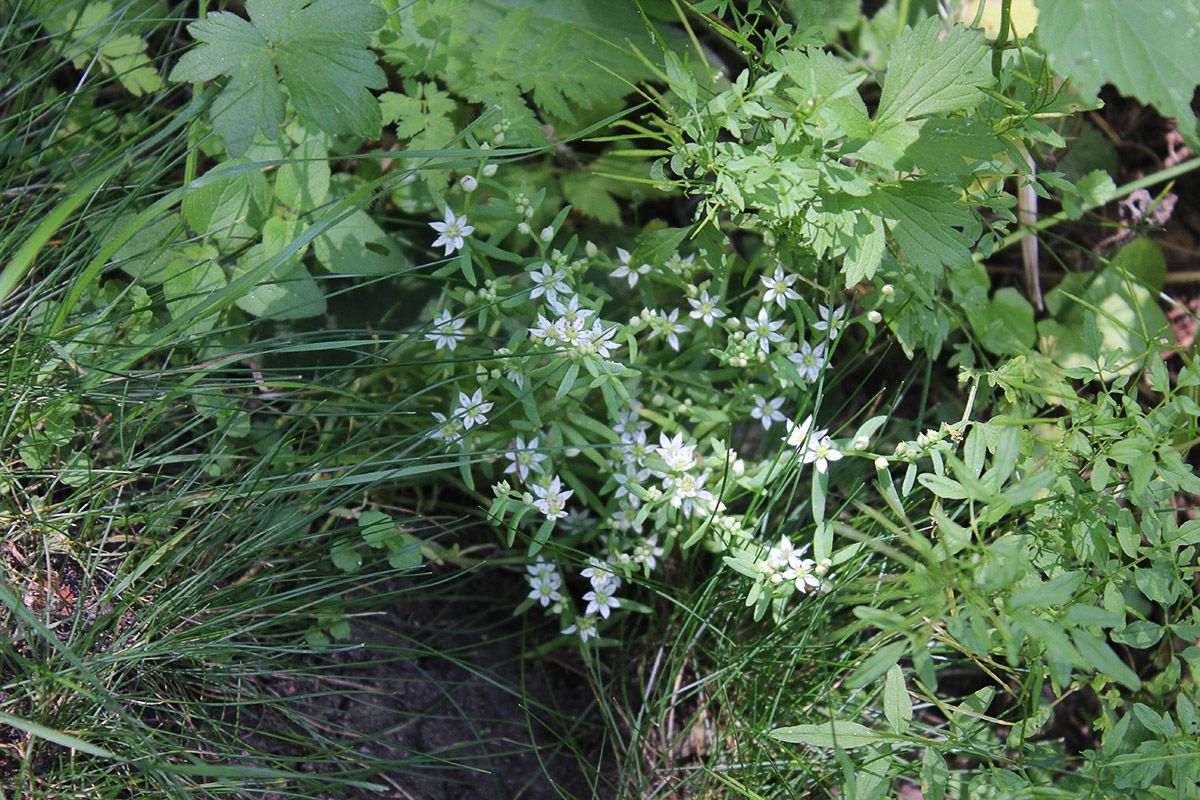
(443, 685)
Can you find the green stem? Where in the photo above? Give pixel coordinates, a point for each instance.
(1141, 183)
(901, 16)
(1001, 37)
(193, 145)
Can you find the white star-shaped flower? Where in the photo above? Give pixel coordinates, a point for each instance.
(472, 410)
(704, 308)
(445, 331)
(451, 231)
(767, 410)
(779, 288)
(809, 361)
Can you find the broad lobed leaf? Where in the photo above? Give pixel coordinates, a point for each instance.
(1149, 49)
(318, 51)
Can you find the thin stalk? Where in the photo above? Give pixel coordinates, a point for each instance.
(1171, 173)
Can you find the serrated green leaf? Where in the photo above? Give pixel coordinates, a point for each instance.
(589, 196)
(934, 71)
(656, 246)
(889, 143)
(317, 50)
(564, 55)
(1148, 49)
(817, 74)
(931, 224)
(831, 17)
(101, 34)
(836, 733)
(865, 249)
(1094, 189)
(949, 146)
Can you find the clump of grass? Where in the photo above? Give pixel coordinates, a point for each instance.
(172, 497)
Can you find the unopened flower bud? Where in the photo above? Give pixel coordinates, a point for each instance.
(874, 317)
(499, 138)
(861, 443)
(547, 233)
(591, 249)
(888, 290)
(524, 228)
(468, 183)
(881, 463)
(488, 170)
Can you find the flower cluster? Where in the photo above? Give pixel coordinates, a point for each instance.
(815, 447)
(582, 431)
(783, 564)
